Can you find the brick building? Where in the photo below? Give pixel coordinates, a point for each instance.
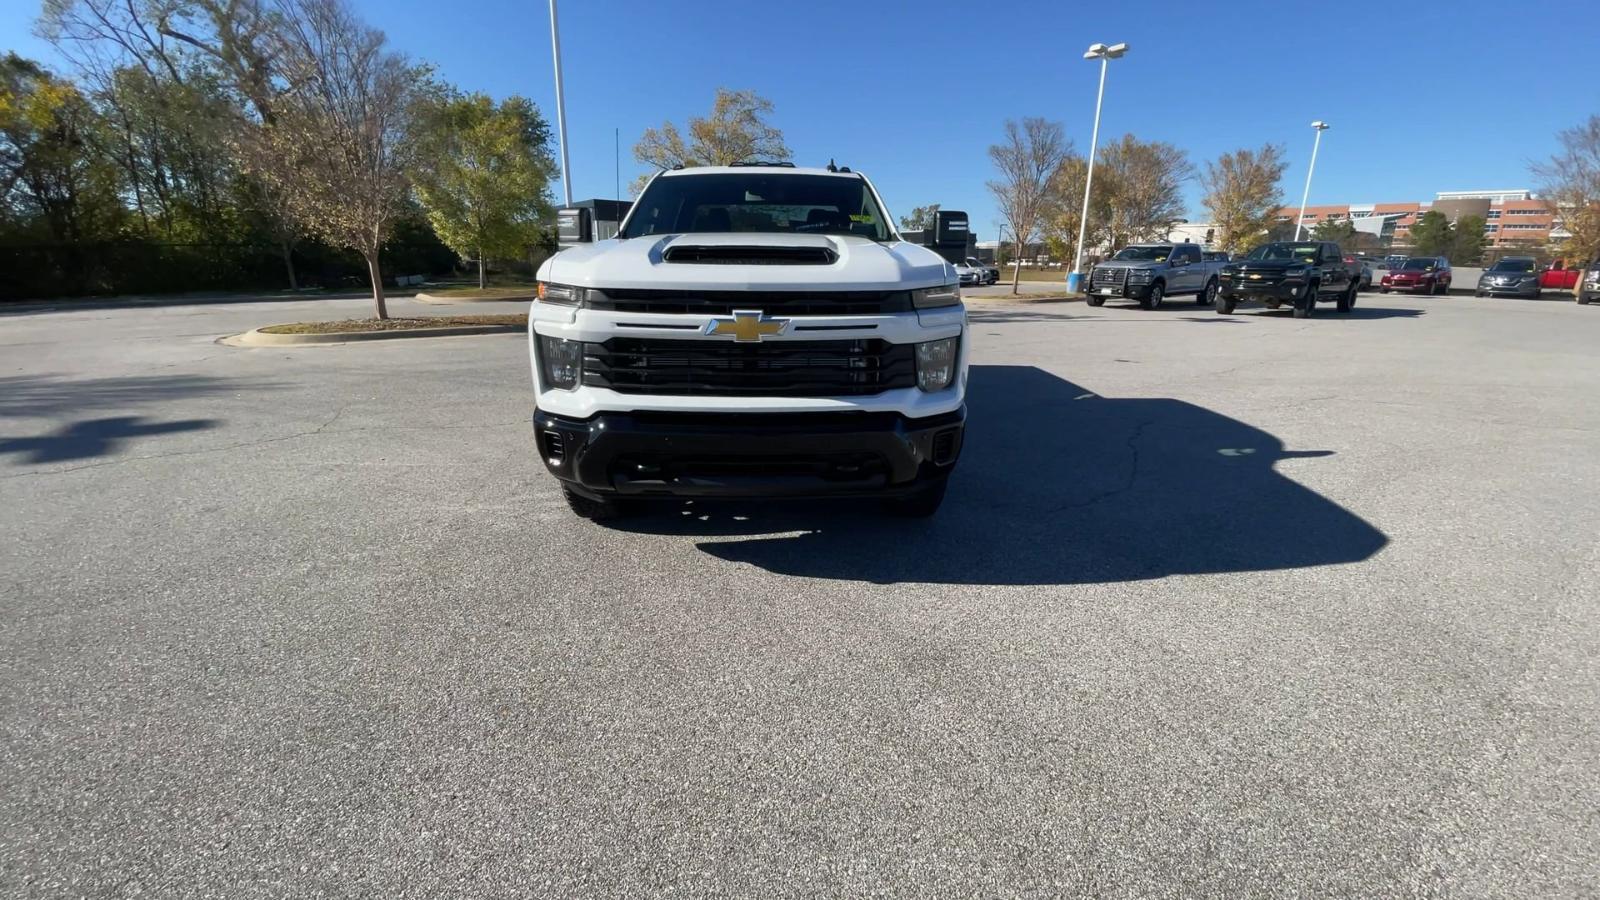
(1512, 218)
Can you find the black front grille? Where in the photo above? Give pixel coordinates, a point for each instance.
(777, 303)
(750, 256)
(1103, 277)
(767, 369)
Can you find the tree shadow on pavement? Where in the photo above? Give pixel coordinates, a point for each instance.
(50, 396)
(1057, 485)
(96, 437)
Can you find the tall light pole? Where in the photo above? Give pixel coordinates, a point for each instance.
(999, 244)
(1105, 54)
(1300, 220)
(561, 106)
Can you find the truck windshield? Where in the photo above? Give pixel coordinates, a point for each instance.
(756, 201)
(1144, 254)
(1284, 251)
(1513, 266)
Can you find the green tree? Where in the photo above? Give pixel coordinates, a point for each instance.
(736, 131)
(1466, 241)
(483, 174)
(1340, 231)
(1243, 195)
(1431, 236)
(55, 179)
(921, 218)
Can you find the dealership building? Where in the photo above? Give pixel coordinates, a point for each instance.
(1511, 218)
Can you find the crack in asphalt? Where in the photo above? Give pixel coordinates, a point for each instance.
(1127, 485)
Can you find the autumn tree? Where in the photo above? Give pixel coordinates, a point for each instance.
(1066, 209)
(1242, 195)
(338, 148)
(1144, 185)
(921, 218)
(1028, 160)
(483, 174)
(1569, 182)
(737, 130)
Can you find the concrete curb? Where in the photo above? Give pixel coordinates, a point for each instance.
(259, 338)
(447, 301)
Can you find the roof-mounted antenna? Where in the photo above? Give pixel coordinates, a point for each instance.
(832, 167)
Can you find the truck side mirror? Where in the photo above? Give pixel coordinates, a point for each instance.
(574, 225)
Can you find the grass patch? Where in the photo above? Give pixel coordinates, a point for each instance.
(473, 292)
(346, 326)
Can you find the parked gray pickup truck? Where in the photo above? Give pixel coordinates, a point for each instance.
(1149, 273)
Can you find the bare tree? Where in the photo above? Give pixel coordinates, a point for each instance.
(1243, 195)
(336, 150)
(1569, 183)
(736, 131)
(1028, 160)
(1144, 184)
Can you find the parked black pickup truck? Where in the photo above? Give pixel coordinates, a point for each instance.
(1300, 273)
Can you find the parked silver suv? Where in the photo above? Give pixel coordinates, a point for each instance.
(1150, 272)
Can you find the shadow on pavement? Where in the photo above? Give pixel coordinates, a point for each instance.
(44, 396)
(96, 437)
(1057, 485)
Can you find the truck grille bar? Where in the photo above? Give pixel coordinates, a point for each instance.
(769, 369)
(778, 303)
(1104, 277)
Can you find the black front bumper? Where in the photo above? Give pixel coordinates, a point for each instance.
(681, 454)
(1263, 290)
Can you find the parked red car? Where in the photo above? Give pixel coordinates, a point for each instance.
(1559, 277)
(1418, 275)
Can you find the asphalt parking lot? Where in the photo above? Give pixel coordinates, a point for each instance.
(1217, 606)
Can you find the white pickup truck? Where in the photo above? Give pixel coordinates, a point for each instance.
(1149, 273)
(751, 331)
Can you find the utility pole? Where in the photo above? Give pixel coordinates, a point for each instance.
(561, 106)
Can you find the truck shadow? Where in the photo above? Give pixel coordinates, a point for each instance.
(1057, 485)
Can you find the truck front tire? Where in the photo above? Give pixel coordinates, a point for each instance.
(1224, 304)
(1306, 302)
(597, 510)
(1208, 296)
(1152, 298)
(1092, 300)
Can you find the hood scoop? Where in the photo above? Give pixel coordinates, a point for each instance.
(732, 255)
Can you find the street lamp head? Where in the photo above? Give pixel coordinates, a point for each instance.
(1101, 51)
(1320, 125)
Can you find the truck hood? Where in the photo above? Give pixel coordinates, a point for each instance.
(1130, 264)
(1267, 265)
(710, 262)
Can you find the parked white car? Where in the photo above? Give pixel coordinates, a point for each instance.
(967, 274)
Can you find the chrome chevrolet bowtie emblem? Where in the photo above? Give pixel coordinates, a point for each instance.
(747, 326)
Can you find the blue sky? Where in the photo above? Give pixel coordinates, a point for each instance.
(1422, 96)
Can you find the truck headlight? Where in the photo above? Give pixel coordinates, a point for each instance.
(562, 362)
(1294, 274)
(935, 297)
(1140, 274)
(936, 364)
(560, 294)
